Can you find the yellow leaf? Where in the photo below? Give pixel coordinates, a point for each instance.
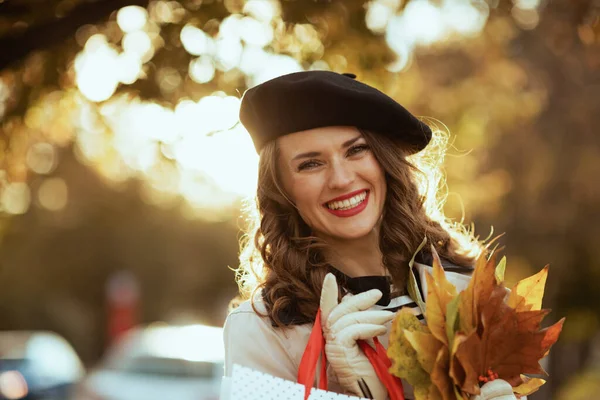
(527, 294)
(405, 363)
(500, 268)
(528, 386)
(447, 288)
(426, 346)
(427, 393)
(440, 292)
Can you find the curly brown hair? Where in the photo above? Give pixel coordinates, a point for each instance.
(281, 257)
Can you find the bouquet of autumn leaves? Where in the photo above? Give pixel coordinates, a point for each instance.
(482, 333)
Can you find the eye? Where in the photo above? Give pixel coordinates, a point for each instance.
(309, 164)
(359, 148)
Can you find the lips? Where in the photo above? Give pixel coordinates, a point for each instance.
(349, 211)
(346, 196)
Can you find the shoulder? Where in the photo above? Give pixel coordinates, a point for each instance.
(253, 312)
(252, 341)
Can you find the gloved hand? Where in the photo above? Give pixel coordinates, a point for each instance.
(345, 323)
(498, 389)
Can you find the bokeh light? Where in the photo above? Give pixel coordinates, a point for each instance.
(15, 198)
(132, 18)
(53, 194)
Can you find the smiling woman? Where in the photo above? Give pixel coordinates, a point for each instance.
(334, 181)
(337, 196)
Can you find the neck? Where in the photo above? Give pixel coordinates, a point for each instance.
(357, 257)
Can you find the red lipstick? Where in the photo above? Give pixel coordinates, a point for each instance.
(347, 196)
(352, 211)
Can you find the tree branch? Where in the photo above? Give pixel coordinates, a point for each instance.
(14, 48)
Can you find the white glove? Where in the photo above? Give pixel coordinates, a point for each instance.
(498, 389)
(345, 323)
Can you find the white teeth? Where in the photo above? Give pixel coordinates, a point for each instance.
(348, 203)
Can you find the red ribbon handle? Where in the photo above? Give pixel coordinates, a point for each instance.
(310, 358)
(316, 347)
(382, 364)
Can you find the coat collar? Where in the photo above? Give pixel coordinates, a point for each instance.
(360, 284)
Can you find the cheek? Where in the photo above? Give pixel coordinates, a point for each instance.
(374, 172)
(305, 192)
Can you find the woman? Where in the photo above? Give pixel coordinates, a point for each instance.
(339, 202)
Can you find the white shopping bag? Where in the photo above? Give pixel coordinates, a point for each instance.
(248, 384)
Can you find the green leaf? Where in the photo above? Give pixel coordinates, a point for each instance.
(412, 260)
(452, 321)
(405, 362)
(413, 290)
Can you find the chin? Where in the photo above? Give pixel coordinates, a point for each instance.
(353, 233)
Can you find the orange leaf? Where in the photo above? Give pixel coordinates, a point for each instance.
(480, 286)
(457, 371)
(440, 292)
(528, 293)
(508, 343)
(440, 377)
(467, 355)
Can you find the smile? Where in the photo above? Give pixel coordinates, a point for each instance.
(348, 203)
(349, 206)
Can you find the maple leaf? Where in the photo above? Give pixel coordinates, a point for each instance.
(484, 327)
(426, 347)
(528, 293)
(482, 282)
(440, 377)
(405, 362)
(506, 342)
(440, 293)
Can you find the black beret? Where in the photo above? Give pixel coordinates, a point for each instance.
(314, 99)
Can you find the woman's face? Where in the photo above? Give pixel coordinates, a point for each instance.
(334, 180)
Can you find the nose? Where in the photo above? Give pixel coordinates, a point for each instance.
(340, 176)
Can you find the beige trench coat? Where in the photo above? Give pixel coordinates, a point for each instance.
(251, 340)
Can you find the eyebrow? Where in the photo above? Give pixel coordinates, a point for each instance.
(316, 153)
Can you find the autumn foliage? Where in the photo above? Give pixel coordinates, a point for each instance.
(484, 330)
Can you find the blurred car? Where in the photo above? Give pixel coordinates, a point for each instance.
(159, 362)
(37, 365)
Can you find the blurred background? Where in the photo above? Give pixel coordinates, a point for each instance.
(123, 167)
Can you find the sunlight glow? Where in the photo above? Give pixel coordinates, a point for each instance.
(137, 44)
(229, 53)
(96, 69)
(190, 150)
(132, 18)
(255, 33)
(263, 10)
(195, 41)
(15, 198)
(423, 23)
(202, 69)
